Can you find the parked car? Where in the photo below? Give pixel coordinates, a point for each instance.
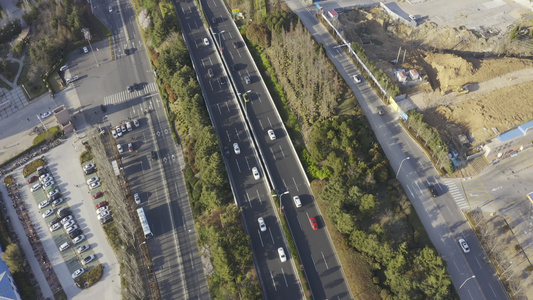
(103, 108)
(104, 215)
(63, 68)
(78, 273)
(110, 8)
(54, 192)
(78, 239)
(102, 209)
(83, 248)
(123, 128)
(32, 179)
(57, 202)
(87, 260)
(93, 180)
(94, 185)
(90, 171)
(55, 197)
(69, 224)
(85, 50)
(49, 183)
(55, 227)
(63, 212)
(56, 220)
(119, 131)
(106, 220)
(247, 79)
(381, 110)
(66, 219)
(75, 233)
(35, 187)
(119, 148)
(48, 212)
(102, 204)
(357, 79)
(98, 195)
(262, 224)
(206, 41)
(43, 204)
(43, 176)
(210, 73)
(137, 198)
(136, 123)
(46, 179)
(72, 229)
(433, 191)
(130, 147)
(64, 246)
(154, 155)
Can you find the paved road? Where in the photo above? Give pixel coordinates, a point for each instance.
(279, 280)
(160, 183)
(321, 266)
(442, 219)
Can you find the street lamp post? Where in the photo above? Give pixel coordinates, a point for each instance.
(220, 40)
(399, 168)
(279, 196)
(473, 276)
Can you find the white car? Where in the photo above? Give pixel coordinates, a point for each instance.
(83, 248)
(57, 202)
(46, 179)
(69, 224)
(78, 239)
(42, 177)
(137, 198)
(464, 245)
(52, 193)
(236, 148)
(72, 79)
(247, 79)
(47, 213)
(110, 8)
(93, 180)
(114, 133)
(55, 227)
(49, 183)
(281, 254)
(357, 79)
(66, 219)
(35, 187)
(297, 201)
(44, 204)
(63, 68)
(94, 185)
(104, 215)
(136, 123)
(71, 229)
(85, 50)
(45, 115)
(119, 147)
(102, 209)
(255, 171)
(78, 273)
(271, 134)
(88, 259)
(206, 41)
(262, 224)
(119, 131)
(88, 167)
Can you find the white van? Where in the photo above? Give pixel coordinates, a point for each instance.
(64, 246)
(297, 201)
(128, 125)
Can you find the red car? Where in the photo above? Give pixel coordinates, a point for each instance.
(102, 204)
(32, 179)
(98, 195)
(314, 224)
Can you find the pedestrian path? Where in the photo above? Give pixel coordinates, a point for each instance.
(125, 95)
(457, 193)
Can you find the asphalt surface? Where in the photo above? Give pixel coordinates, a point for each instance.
(318, 256)
(160, 183)
(278, 280)
(443, 220)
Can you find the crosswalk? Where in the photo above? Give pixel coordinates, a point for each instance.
(457, 194)
(125, 95)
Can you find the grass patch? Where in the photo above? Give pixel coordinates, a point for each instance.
(347, 104)
(50, 135)
(32, 166)
(9, 69)
(4, 85)
(34, 89)
(91, 277)
(60, 295)
(86, 156)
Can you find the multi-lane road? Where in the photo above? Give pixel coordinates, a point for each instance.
(160, 184)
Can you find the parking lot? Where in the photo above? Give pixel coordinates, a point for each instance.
(64, 165)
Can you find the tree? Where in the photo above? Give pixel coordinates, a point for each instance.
(13, 258)
(367, 204)
(258, 34)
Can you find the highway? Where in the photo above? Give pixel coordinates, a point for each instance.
(442, 219)
(278, 279)
(321, 266)
(160, 184)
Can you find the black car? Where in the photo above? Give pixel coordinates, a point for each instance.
(90, 171)
(55, 197)
(64, 213)
(138, 86)
(106, 220)
(102, 108)
(131, 88)
(227, 153)
(433, 190)
(54, 221)
(127, 51)
(154, 155)
(223, 80)
(236, 45)
(75, 233)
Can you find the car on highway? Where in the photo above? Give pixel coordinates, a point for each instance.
(246, 97)
(210, 73)
(381, 110)
(57, 202)
(314, 223)
(94, 185)
(55, 227)
(236, 45)
(236, 148)
(271, 134)
(87, 259)
(110, 8)
(137, 198)
(130, 147)
(78, 239)
(432, 190)
(83, 248)
(464, 245)
(71, 229)
(93, 179)
(357, 79)
(206, 41)
(136, 123)
(54, 192)
(43, 204)
(297, 201)
(48, 212)
(75, 233)
(282, 255)
(98, 195)
(119, 148)
(262, 224)
(78, 273)
(35, 187)
(256, 174)
(102, 204)
(247, 79)
(32, 179)
(66, 219)
(69, 224)
(104, 215)
(45, 115)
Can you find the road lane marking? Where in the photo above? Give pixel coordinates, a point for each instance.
(227, 133)
(227, 106)
(247, 163)
(237, 133)
(238, 167)
(260, 238)
(410, 191)
(281, 149)
(325, 262)
(259, 197)
(284, 277)
(273, 282)
(299, 224)
(248, 199)
(273, 156)
(271, 236)
(269, 122)
(219, 111)
(295, 185)
(261, 124)
(479, 264)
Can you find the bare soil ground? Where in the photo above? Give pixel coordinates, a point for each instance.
(448, 58)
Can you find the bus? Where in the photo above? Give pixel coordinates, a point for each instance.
(144, 223)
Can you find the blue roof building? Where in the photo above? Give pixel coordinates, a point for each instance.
(8, 290)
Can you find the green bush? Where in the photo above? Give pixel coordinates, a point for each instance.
(48, 136)
(87, 155)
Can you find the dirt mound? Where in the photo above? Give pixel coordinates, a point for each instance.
(451, 69)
